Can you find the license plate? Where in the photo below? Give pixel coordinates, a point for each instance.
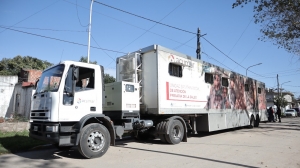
(35, 128)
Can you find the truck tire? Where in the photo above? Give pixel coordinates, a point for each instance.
(176, 133)
(94, 140)
(162, 136)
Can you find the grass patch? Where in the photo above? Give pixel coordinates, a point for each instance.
(11, 142)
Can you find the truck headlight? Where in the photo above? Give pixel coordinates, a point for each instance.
(51, 128)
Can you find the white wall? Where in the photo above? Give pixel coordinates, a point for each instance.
(7, 85)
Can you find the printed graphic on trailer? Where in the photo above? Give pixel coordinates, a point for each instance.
(182, 92)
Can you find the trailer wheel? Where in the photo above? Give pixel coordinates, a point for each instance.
(256, 124)
(176, 132)
(162, 136)
(94, 140)
(251, 122)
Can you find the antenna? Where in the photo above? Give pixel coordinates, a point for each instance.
(62, 53)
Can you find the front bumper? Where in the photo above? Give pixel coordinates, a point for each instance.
(38, 131)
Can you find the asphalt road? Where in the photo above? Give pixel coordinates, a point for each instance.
(271, 145)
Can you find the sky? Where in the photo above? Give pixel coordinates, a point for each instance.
(56, 30)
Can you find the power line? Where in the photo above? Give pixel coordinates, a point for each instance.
(222, 52)
(71, 42)
(42, 29)
(289, 75)
(102, 50)
(144, 18)
(249, 51)
(78, 16)
(292, 86)
(240, 36)
(233, 59)
(285, 71)
(180, 30)
(184, 43)
(31, 15)
(130, 24)
(216, 61)
(153, 25)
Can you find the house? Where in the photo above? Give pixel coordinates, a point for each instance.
(271, 94)
(18, 91)
(7, 86)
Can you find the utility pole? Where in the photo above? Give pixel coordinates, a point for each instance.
(278, 92)
(90, 27)
(198, 45)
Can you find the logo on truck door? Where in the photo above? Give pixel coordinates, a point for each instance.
(180, 61)
(79, 101)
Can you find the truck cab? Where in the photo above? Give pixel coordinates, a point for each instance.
(67, 108)
(68, 97)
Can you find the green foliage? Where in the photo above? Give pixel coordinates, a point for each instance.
(17, 142)
(107, 77)
(13, 66)
(280, 101)
(84, 59)
(280, 21)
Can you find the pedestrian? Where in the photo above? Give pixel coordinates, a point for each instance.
(271, 115)
(279, 113)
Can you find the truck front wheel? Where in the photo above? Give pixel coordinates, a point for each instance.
(176, 132)
(94, 140)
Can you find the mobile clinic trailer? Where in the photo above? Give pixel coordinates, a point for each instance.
(159, 93)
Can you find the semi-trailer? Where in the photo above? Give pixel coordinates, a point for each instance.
(158, 93)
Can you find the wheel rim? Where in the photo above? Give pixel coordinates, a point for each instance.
(176, 132)
(95, 141)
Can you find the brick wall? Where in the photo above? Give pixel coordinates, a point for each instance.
(34, 75)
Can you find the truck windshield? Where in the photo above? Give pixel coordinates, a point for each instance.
(50, 79)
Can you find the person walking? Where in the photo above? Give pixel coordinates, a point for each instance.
(279, 113)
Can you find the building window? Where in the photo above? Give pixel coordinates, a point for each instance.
(208, 78)
(175, 70)
(259, 90)
(246, 87)
(225, 82)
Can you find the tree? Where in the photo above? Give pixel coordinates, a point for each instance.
(280, 21)
(280, 100)
(84, 59)
(13, 66)
(107, 77)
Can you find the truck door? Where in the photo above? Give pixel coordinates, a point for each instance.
(84, 100)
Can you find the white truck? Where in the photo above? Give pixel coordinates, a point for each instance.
(158, 93)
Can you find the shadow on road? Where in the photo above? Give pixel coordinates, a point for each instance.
(190, 156)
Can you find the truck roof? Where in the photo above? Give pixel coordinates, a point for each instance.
(155, 47)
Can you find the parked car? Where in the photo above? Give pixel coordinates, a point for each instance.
(291, 112)
(298, 111)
